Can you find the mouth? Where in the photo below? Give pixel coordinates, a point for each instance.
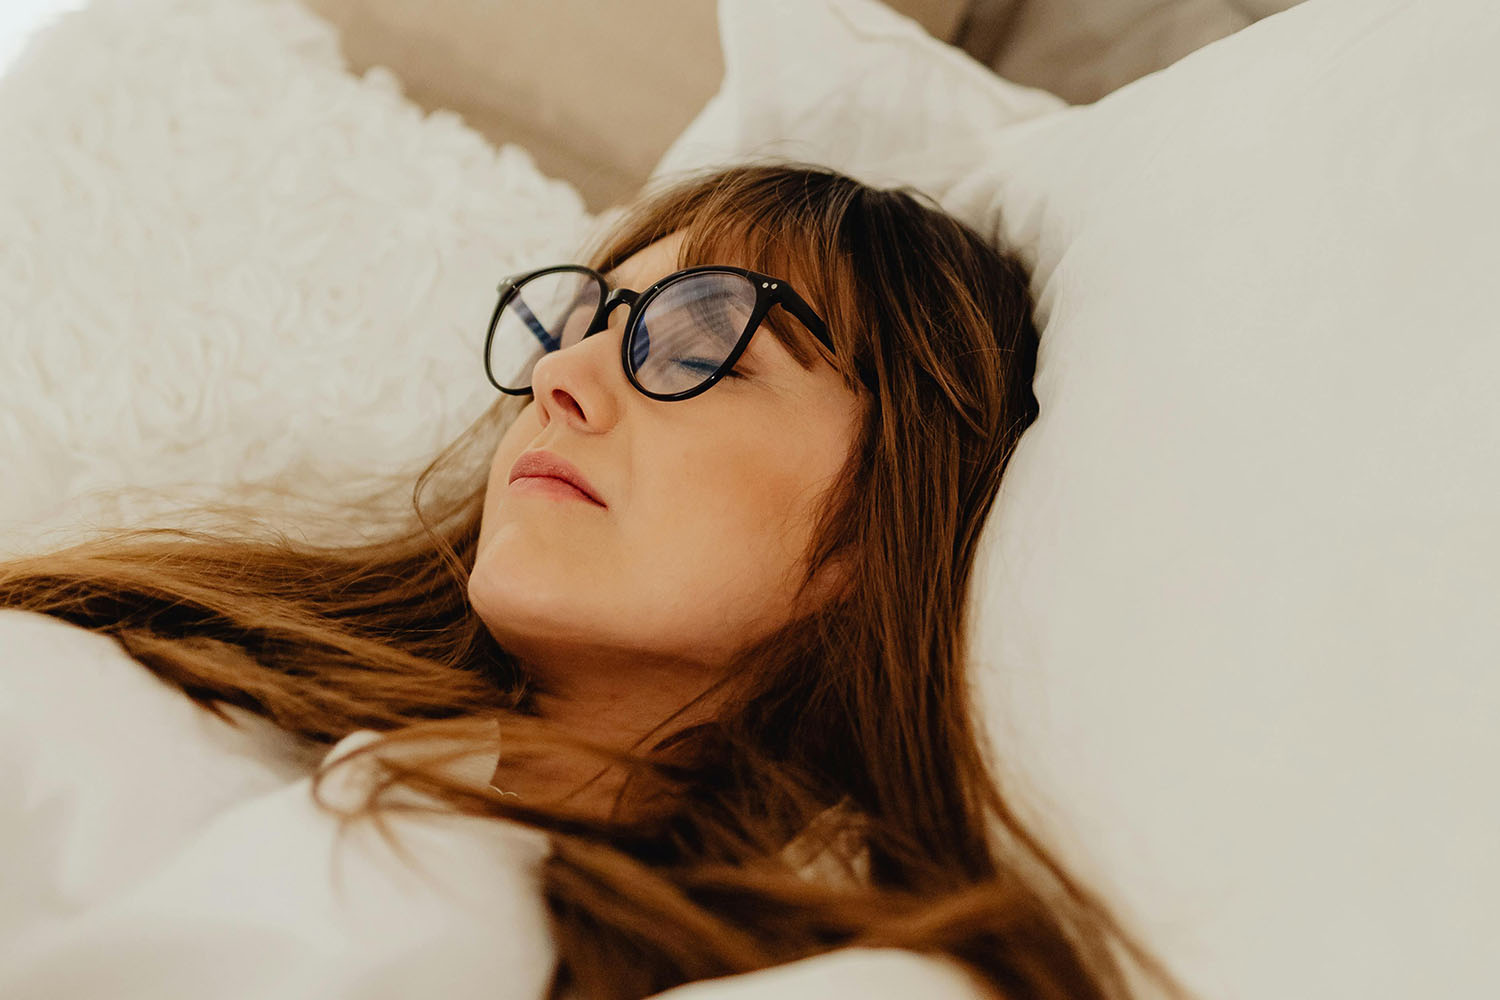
(551, 486)
(542, 471)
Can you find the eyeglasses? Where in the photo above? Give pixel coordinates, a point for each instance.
(683, 334)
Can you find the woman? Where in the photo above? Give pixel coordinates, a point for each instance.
(727, 662)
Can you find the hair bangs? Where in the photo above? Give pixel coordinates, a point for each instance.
(753, 220)
(725, 239)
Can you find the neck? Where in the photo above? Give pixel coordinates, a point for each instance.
(624, 708)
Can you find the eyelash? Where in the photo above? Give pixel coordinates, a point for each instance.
(733, 373)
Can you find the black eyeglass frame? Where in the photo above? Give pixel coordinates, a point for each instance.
(769, 291)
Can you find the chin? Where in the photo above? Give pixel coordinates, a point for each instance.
(512, 605)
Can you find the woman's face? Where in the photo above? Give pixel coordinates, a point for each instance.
(709, 508)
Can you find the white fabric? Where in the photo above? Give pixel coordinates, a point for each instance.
(879, 973)
(151, 850)
(1237, 602)
(229, 265)
(97, 783)
(849, 84)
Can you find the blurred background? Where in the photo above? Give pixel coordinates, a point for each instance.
(596, 92)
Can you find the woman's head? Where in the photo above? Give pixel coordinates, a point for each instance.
(707, 504)
(731, 514)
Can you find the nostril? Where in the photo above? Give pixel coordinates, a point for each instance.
(565, 400)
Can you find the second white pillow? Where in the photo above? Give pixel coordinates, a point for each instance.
(849, 84)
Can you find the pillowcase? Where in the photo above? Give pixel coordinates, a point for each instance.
(1236, 602)
(96, 791)
(149, 849)
(232, 268)
(850, 84)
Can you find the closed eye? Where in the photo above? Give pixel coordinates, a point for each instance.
(708, 367)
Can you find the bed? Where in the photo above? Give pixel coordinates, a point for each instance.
(1236, 609)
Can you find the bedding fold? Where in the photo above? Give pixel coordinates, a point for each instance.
(152, 850)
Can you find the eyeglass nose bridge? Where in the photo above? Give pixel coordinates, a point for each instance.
(618, 297)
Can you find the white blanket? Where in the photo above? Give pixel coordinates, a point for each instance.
(150, 850)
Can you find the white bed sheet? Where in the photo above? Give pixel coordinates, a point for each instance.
(152, 850)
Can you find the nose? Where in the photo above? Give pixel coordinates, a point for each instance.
(564, 383)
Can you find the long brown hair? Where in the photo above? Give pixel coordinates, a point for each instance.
(864, 702)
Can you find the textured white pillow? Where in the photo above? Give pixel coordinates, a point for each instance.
(1238, 603)
(229, 265)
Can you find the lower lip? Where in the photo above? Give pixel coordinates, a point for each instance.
(549, 487)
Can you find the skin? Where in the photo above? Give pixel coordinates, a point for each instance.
(623, 614)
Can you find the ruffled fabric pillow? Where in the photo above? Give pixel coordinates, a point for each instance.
(232, 268)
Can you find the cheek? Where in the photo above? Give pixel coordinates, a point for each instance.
(751, 505)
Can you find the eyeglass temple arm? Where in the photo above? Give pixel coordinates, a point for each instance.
(794, 304)
(798, 307)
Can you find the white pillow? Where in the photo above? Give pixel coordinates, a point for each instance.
(850, 84)
(1238, 600)
(230, 265)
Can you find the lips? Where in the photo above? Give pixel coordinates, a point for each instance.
(547, 465)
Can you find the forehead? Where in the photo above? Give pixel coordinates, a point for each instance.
(649, 264)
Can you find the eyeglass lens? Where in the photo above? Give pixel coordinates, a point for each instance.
(681, 338)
